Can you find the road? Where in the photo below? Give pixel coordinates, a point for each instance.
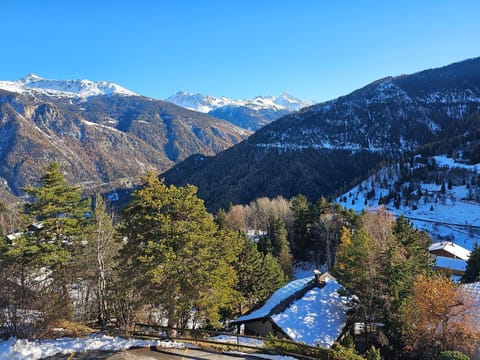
(150, 354)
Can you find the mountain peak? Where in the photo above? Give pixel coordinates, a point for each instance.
(30, 78)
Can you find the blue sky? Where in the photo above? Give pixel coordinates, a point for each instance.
(313, 49)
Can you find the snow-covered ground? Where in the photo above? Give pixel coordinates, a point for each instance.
(14, 349)
(305, 269)
(453, 218)
(231, 339)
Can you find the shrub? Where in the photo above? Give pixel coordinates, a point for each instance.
(277, 346)
(452, 355)
(374, 354)
(68, 328)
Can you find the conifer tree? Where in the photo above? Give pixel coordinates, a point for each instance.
(248, 267)
(323, 206)
(59, 210)
(174, 242)
(301, 222)
(60, 213)
(378, 263)
(271, 277)
(18, 266)
(275, 242)
(472, 272)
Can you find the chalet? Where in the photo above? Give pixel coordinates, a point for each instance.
(449, 257)
(311, 310)
(450, 250)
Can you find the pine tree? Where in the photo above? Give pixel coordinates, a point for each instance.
(174, 242)
(472, 272)
(271, 277)
(61, 213)
(302, 220)
(18, 269)
(248, 267)
(264, 244)
(323, 206)
(59, 210)
(275, 242)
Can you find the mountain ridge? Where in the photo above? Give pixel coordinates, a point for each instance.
(64, 88)
(250, 114)
(101, 140)
(320, 149)
(207, 103)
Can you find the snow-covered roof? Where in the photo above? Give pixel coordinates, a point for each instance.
(456, 265)
(472, 291)
(278, 296)
(14, 236)
(450, 248)
(318, 318)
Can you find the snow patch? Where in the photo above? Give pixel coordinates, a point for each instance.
(14, 349)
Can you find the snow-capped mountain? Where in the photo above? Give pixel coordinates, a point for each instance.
(207, 103)
(248, 113)
(64, 88)
(322, 148)
(98, 139)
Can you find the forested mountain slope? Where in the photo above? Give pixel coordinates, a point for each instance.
(322, 148)
(99, 132)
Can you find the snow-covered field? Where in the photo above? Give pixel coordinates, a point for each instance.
(453, 219)
(14, 349)
(20, 349)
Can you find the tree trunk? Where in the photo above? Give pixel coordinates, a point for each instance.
(172, 321)
(102, 285)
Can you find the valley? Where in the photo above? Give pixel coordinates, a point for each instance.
(368, 189)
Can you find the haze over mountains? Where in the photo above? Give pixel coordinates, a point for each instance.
(323, 148)
(250, 114)
(100, 132)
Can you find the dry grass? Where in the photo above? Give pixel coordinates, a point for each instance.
(68, 328)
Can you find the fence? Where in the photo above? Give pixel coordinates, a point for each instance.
(228, 341)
